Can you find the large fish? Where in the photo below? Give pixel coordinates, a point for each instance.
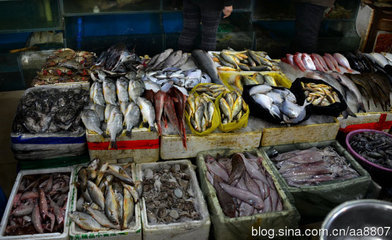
(131, 118)
(174, 58)
(161, 58)
(206, 64)
(97, 94)
(354, 89)
(91, 121)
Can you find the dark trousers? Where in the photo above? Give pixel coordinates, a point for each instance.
(193, 16)
(307, 25)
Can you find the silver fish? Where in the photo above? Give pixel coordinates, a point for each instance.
(86, 222)
(124, 106)
(183, 60)
(111, 205)
(101, 218)
(120, 201)
(115, 126)
(262, 89)
(148, 111)
(129, 208)
(109, 92)
(96, 194)
(162, 57)
(100, 110)
(108, 110)
(98, 97)
(135, 89)
(122, 90)
(91, 121)
(131, 118)
(206, 65)
(174, 58)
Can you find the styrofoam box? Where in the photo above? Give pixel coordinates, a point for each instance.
(46, 236)
(134, 232)
(198, 229)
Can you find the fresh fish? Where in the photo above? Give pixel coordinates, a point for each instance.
(96, 194)
(98, 97)
(23, 210)
(131, 118)
(114, 128)
(238, 169)
(237, 106)
(149, 85)
(135, 89)
(342, 60)
(174, 58)
(333, 61)
(59, 213)
(329, 63)
(265, 102)
(109, 92)
(123, 107)
(91, 121)
(229, 58)
(225, 200)
(298, 61)
(162, 57)
(184, 58)
(307, 61)
(122, 90)
(379, 59)
(260, 89)
(43, 204)
(111, 206)
(108, 110)
(322, 66)
(86, 222)
(270, 80)
(120, 201)
(354, 89)
(291, 110)
(148, 111)
(101, 218)
(129, 208)
(224, 106)
(206, 65)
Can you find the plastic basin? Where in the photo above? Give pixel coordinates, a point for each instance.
(380, 174)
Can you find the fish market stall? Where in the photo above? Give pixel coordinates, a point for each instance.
(243, 193)
(38, 205)
(216, 118)
(44, 128)
(173, 206)
(319, 175)
(105, 202)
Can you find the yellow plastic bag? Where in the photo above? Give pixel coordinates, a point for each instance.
(216, 121)
(228, 78)
(229, 127)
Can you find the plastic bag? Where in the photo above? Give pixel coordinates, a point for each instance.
(216, 120)
(333, 109)
(228, 127)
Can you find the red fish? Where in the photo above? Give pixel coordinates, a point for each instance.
(298, 61)
(179, 104)
(159, 100)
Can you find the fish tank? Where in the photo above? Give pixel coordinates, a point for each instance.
(28, 15)
(87, 7)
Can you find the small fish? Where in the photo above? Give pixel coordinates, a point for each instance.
(224, 106)
(86, 222)
(97, 94)
(43, 204)
(91, 121)
(36, 219)
(270, 80)
(109, 92)
(101, 218)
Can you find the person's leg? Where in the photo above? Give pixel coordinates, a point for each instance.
(307, 26)
(209, 25)
(191, 16)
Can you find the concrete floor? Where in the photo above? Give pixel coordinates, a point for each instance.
(8, 104)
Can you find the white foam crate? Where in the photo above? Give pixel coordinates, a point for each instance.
(45, 236)
(133, 233)
(193, 230)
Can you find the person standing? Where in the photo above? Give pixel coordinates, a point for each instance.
(308, 17)
(206, 13)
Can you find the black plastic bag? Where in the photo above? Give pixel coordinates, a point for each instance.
(334, 109)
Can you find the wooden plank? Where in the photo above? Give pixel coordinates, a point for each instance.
(171, 145)
(125, 155)
(300, 134)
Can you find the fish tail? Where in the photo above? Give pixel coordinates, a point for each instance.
(113, 144)
(128, 133)
(361, 107)
(350, 112)
(153, 129)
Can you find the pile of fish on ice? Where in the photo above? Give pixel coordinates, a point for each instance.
(242, 185)
(107, 195)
